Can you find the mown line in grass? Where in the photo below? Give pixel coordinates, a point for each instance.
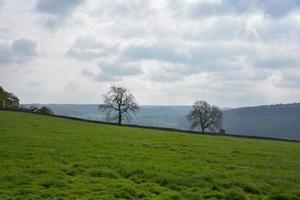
(157, 128)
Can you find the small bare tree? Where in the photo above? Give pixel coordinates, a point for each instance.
(119, 103)
(205, 116)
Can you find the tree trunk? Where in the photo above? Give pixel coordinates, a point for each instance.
(120, 118)
(203, 129)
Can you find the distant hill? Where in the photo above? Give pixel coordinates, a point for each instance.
(280, 121)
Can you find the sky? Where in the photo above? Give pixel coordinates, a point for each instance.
(166, 52)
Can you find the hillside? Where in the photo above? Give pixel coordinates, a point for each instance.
(52, 158)
(279, 121)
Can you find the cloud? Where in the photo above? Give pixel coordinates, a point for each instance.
(56, 10)
(191, 59)
(272, 8)
(277, 62)
(124, 9)
(279, 8)
(115, 71)
(121, 69)
(34, 83)
(104, 77)
(176, 62)
(167, 72)
(287, 78)
(87, 72)
(1, 3)
(154, 52)
(57, 7)
(88, 47)
(24, 47)
(216, 49)
(290, 81)
(19, 50)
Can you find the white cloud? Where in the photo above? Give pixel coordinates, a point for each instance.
(225, 51)
(88, 47)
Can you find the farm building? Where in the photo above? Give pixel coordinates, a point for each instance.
(10, 101)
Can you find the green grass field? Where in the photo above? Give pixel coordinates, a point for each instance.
(52, 158)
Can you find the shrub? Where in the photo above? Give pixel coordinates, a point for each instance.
(44, 110)
(222, 131)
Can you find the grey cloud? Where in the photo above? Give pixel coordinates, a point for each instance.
(226, 7)
(241, 76)
(87, 72)
(277, 62)
(279, 8)
(52, 22)
(121, 69)
(203, 9)
(57, 7)
(164, 72)
(5, 53)
(19, 50)
(24, 47)
(104, 77)
(289, 80)
(154, 52)
(273, 8)
(224, 29)
(164, 76)
(287, 29)
(216, 56)
(196, 58)
(124, 9)
(171, 64)
(57, 10)
(116, 71)
(34, 83)
(88, 47)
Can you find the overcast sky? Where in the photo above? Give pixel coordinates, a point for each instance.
(167, 52)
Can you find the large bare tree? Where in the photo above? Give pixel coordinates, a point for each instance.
(119, 103)
(205, 116)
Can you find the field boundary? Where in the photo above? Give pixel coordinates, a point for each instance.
(156, 128)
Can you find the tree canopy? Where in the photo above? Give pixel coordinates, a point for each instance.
(119, 103)
(2, 94)
(205, 116)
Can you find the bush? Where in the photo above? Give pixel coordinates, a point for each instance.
(44, 110)
(222, 131)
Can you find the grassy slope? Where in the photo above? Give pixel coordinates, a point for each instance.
(44, 157)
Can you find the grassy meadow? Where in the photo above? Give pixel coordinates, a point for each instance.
(52, 158)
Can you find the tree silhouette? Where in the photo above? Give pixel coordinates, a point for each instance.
(203, 116)
(119, 103)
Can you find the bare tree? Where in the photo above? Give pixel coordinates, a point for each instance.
(205, 116)
(119, 103)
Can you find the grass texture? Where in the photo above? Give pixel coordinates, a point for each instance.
(45, 157)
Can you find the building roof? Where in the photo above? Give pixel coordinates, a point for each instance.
(11, 97)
